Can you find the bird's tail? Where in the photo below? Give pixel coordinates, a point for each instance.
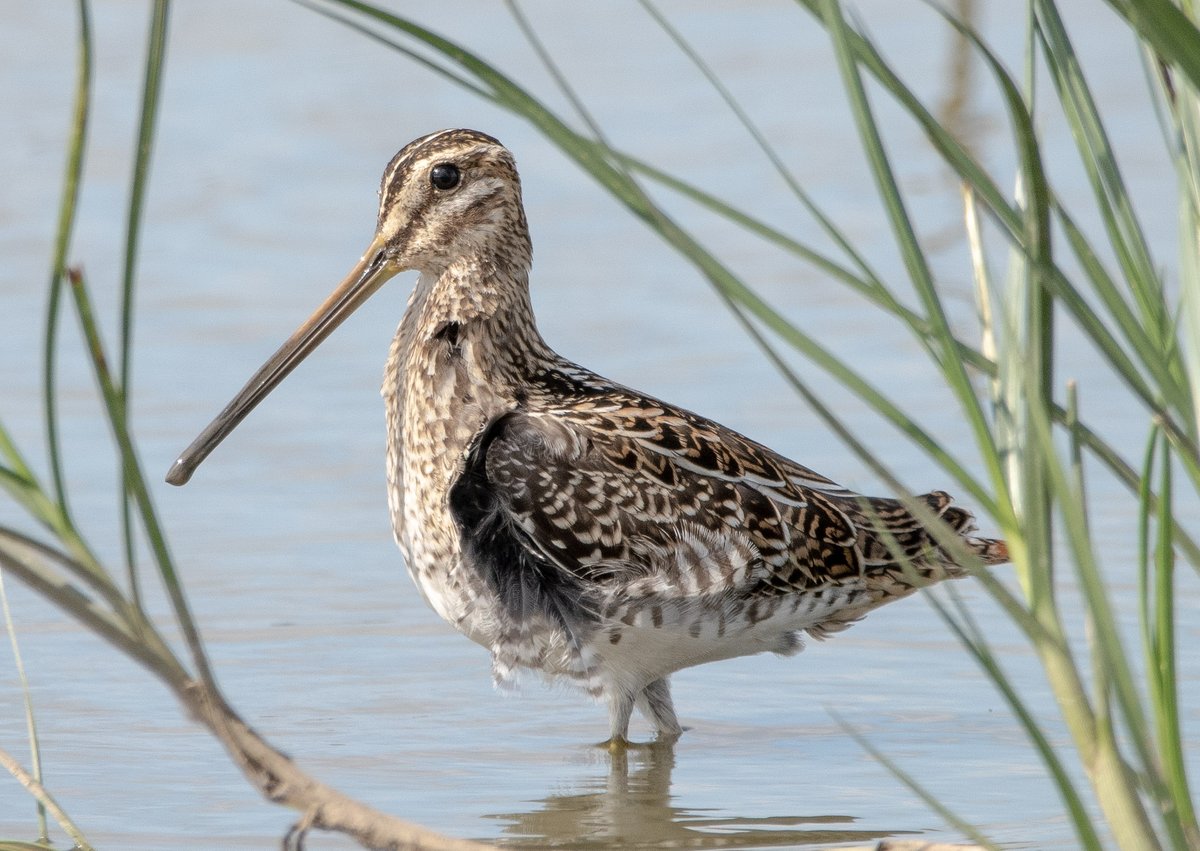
(901, 554)
(989, 550)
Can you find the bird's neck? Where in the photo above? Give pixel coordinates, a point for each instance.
(475, 313)
(462, 356)
(478, 302)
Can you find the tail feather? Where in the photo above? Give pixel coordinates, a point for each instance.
(901, 554)
(989, 550)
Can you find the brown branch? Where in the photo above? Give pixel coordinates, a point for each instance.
(280, 780)
(270, 771)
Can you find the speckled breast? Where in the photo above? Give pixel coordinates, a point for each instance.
(434, 413)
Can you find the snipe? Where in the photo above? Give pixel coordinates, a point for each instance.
(568, 524)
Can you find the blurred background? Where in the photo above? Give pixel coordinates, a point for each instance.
(275, 126)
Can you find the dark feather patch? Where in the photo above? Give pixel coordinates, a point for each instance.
(525, 583)
(449, 332)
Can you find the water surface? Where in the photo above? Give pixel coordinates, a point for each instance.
(275, 127)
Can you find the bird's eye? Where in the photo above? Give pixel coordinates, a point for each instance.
(445, 176)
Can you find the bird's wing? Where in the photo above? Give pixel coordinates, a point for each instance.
(618, 488)
(884, 533)
(580, 516)
(662, 498)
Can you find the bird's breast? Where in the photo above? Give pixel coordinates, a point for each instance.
(436, 404)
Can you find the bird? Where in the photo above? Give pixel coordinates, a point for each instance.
(569, 524)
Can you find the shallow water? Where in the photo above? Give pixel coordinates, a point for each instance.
(273, 135)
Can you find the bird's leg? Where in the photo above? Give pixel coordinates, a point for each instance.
(620, 707)
(655, 703)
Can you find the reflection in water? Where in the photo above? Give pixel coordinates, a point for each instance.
(954, 110)
(630, 805)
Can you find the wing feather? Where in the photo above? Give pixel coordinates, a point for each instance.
(614, 498)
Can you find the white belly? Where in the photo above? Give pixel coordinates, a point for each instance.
(644, 641)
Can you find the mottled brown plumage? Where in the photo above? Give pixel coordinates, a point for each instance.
(568, 524)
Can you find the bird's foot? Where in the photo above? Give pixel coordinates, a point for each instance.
(668, 738)
(619, 745)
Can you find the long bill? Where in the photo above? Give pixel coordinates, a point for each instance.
(371, 272)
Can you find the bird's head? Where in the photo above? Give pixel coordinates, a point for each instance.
(447, 196)
(451, 194)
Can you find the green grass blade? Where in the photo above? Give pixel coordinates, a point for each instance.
(973, 638)
(413, 56)
(823, 221)
(35, 754)
(44, 799)
(1024, 363)
(1160, 621)
(20, 484)
(984, 288)
(953, 370)
(92, 575)
(62, 241)
(1118, 311)
(930, 800)
(885, 179)
(865, 282)
(26, 492)
(156, 45)
(1165, 26)
(1177, 815)
(147, 120)
(134, 477)
(1112, 777)
(33, 563)
(1096, 155)
(949, 147)
(1180, 100)
(1153, 336)
(1145, 560)
(1011, 220)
